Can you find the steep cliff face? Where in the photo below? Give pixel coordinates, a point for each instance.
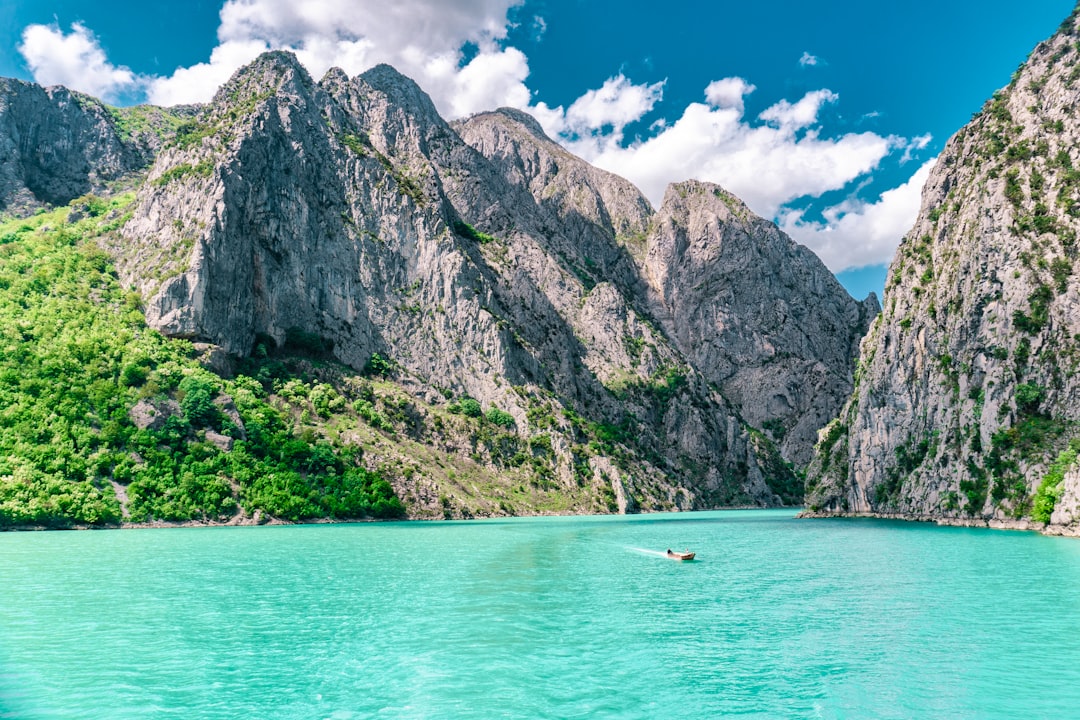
(604, 217)
(759, 315)
(756, 314)
(967, 391)
(350, 212)
(56, 145)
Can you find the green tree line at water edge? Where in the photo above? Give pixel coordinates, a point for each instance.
(76, 356)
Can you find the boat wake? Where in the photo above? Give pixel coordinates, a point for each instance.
(643, 551)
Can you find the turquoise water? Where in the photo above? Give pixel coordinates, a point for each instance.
(542, 618)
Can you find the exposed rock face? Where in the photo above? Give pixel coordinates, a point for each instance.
(56, 145)
(755, 313)
(150, 414)
(484, 260)
(967, 385)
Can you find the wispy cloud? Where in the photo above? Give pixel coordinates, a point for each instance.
(539, 27)
(808, 60)
(914, 145)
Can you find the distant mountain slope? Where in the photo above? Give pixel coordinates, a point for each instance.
(968, 396)
(56, 145)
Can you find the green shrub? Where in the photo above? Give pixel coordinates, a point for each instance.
(326, 400)
(1061, 269)
(1039, 304)
(775, 427)
(133, 375)
(501, 418)
(466, 230)
(378, 365)
(1029, 397)
(1013, 192)
(833, 432)
(202, 170)
(355, 143)
(468, 406)
(197, 402)
(366, 410)
(1051, 487)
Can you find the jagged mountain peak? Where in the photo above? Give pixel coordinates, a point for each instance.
(334, 76)
(556, 178)
(268, 72)
(276, 75)
(705, 199)
(403, 92)
(524, 119)
(517, 122)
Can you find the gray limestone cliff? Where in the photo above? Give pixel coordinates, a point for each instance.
(968, 396)
(758, 315)
(56, 145)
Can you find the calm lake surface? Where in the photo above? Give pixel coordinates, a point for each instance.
(542, 618)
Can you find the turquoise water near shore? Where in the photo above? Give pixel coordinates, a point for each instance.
(542, 618)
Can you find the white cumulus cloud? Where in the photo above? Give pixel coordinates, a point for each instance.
(808, 60)
(856, 233)
(789, 117)
(728, 93)
(616, 104)
(769, 161)
(74, 60)
(421, 38)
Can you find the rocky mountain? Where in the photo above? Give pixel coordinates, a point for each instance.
(631, 357)
(56, 145)
(758, 315)
(967, 395)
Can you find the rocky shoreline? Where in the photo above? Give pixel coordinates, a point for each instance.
(990, 523)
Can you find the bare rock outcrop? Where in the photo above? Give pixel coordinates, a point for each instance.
(56, 144)
(967, 387)
(757, 314)
(152, 414)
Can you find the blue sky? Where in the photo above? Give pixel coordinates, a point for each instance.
(822, 116)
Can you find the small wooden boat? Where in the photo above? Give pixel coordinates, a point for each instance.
(675, 555)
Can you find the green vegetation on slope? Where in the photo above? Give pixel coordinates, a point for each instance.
(76, 357)
(1051, 487)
